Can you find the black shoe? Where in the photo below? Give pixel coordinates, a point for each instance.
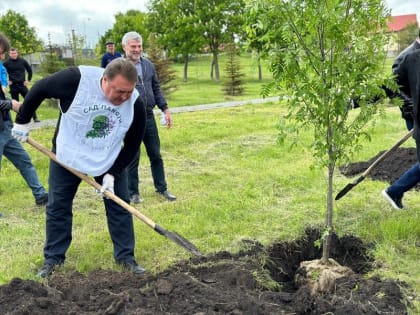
(396, 203)
(132, 266)
(42, 201)
(36, 121)
(136, 199)
(46, 270)
(167, 195)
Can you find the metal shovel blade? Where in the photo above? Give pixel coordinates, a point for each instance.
(350, 186)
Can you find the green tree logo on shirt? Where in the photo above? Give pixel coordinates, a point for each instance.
(101, 127)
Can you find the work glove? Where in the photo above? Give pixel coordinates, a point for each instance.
(107, 183)
(20, 132)
(5, 105)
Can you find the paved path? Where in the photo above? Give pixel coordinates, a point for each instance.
(181, 109)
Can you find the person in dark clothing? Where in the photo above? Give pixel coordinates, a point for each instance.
(11, 148)
(110, 54)
(408, 74)
(100, 127)
(403, 93)
(17, 68)
(149, 89)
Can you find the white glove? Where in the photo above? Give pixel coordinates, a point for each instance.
(20, 132)
(107, 183)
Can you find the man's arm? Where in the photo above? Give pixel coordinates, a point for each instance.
(61, 85)
(28, 69)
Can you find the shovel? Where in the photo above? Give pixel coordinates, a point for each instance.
(178, 239)
(350, 186)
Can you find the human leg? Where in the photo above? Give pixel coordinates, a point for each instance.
(152, 144)
(59, 217)
(407, 181)
(133, 175)
(120, 221)
(14, 151)
(14, 92)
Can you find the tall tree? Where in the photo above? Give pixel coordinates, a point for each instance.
(234, 84)
(174, 23)
(407, 36)
(162, 64)
(335, 51)
(22, 37)
(132, 20)
(219, 22)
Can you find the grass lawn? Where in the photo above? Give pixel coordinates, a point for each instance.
(233, 182)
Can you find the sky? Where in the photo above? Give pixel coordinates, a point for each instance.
(92, 18)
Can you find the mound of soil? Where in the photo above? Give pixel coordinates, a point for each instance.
(257, 280)
(389, 170)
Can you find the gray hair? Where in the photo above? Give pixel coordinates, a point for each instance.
(131, 36)
(123, 67)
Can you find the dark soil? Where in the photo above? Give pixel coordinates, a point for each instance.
(257, 280)
(389, 170)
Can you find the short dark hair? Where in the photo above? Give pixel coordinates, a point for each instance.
(4, 43)
(121, 66)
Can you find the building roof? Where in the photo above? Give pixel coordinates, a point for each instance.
(399, 22)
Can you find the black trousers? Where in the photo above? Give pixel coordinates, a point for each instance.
(59, 216)
(152, 144)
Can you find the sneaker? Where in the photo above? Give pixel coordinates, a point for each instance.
(167, 195)
(395, 203)
(42, 201)
(132, 267)
(46, 270)
(136, 199)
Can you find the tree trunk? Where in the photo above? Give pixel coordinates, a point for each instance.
(259, 67)
(216, 66)
(326, 248)
(186, 68)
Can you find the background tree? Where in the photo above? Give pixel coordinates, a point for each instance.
(219, 22)
(132, 20)
(76, 42)
(234, 83)
(407, 36)
(174, 24)
(335, 50)
(22, 37)
(162, 64)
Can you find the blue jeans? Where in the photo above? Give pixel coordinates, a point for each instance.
(15, 153)
(59, 216)
(407, 181)
(152, 144)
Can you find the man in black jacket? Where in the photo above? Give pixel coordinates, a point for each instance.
(17, 68)
(149, 89)
(403, 93)
(408, 74)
